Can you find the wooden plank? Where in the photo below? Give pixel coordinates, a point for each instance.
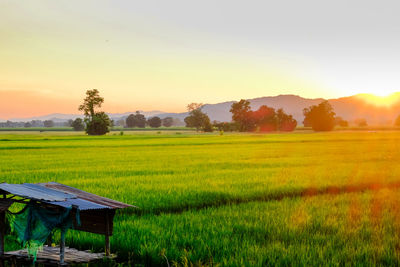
(51, 255)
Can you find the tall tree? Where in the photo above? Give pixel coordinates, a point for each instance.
(197, 119)
(140, 120)
(154, 122)
(285, 122)
(242, 115)
(320, 117)
(265, 119)
(97, 123)
(130, 121)
(136, 120)
(193, 106)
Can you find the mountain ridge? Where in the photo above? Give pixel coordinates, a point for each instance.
(350, 108)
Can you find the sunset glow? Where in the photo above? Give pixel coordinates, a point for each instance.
(378, 100)
(146, 56)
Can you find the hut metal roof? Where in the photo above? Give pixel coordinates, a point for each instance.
(61, 195)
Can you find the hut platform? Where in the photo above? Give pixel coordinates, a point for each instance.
(50, 256)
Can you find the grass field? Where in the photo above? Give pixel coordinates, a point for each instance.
(235, 199)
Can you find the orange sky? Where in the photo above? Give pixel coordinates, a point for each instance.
(162, 55)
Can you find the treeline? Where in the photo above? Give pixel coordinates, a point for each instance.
(265, 119)
(138, 120)
(34, 123)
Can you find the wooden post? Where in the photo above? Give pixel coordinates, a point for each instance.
(62, 247)
(107, 236)
(2, 231)
(49, 240)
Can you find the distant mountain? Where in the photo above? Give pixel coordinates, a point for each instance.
(59, 117)
(350, 108)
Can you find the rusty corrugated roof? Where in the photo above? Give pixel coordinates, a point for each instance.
(61, 195)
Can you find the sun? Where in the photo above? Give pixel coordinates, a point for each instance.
(381, 100)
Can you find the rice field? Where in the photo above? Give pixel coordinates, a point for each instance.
(228, 200)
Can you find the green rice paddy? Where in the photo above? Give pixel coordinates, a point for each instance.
(229, 200)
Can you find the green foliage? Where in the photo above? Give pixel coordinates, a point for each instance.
(154, 122)
(320, 117)
(241, 199)
(242, 115)
(285, 122)
(78, 125)
(97, 123)
(226, 126)
(265, 119)
(199, 120)
(92, 101)
(136, 120)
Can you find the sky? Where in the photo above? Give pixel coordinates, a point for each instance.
(162, 55)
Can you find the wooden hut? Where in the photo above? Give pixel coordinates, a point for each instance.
(95, 215)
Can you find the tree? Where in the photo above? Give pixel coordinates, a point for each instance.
(285, 122)
(265, 119)
(242, 115)
(225, 126)
(193, 106)
(97, 122)
(167, 122)
(154, 122)
(397, 121)
(136, 120)
(197, 119)
(361, 122)
(48, 123)
(78, 125)
(27, 125)
(130, 121)
(341, 122)
(321, 117)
